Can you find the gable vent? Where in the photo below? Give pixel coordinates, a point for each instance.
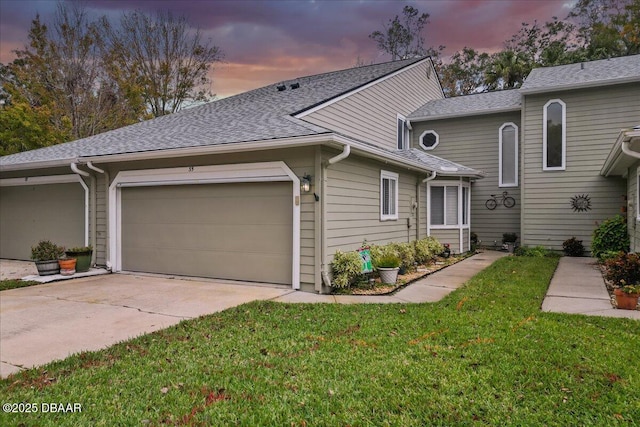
(295, 85)
(281, 88)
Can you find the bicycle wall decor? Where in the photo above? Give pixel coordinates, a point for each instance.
(504, 199)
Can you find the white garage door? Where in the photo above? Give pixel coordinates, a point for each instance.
(240, 231)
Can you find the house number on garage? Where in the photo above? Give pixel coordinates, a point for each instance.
(191, 168)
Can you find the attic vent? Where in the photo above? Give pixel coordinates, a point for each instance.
(281, 88)
(295, 85)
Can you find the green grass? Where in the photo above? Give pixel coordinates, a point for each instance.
(13, 284)
(485, 355)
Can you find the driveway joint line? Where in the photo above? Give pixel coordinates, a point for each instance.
(12, 364)
(576, 297)
(122, 306)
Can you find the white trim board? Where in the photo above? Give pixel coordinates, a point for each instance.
(54, 179)
(193, 175)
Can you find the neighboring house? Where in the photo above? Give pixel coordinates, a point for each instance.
(544, 144)
(267, 185)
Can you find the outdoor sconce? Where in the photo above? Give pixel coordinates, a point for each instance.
(305, 183)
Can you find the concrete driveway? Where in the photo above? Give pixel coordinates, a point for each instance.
(43, 323)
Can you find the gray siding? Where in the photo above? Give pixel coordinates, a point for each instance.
(300, 160)
(473, 142)
(353, 206)
(371, 114)
(594, 119)
(634, 207)
(450, 236)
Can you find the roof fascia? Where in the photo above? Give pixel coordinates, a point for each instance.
(470, 113)
(586, 85)
(617, 162)
(355, 90)
(38, 165)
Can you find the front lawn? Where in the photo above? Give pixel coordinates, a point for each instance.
(485, 355)
(14, 284)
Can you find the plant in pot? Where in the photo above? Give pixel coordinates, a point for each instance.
(46, 255)
(509, 241)
(67, 266)
(623, 272)
(388, 266)
(83, 256)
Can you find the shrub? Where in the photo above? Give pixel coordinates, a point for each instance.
(509, 237)
(388, 261)
(623, 270)
(346, 267)
(536, 251)
(606, 255)
(573, 247)
(46, 250)
(427, 249)
(407, 254)
(611, 235)
(473, 238)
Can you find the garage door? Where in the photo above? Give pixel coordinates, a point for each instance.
(32, 213)
(239, 231)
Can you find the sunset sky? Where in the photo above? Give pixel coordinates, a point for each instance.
(267, 41)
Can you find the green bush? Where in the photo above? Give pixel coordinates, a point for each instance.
(536, 251)
(427, 249)
(509, 237)
(406, 252)
(611, 235)
(573, 247)
(623, 270)
(346, 267)
(606, 255)
(388, 261)
(46, 250)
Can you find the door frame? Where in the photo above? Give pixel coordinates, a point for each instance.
(192, 175)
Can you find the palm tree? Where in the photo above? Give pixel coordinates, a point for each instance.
(507, 70)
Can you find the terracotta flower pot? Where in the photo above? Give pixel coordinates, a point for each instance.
(67, 266)
(626, 301)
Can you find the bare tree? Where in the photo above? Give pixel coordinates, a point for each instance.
(159, 57)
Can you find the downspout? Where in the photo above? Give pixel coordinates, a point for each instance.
(94, 217)
(424, 181)
(81, 173)
(346, 150)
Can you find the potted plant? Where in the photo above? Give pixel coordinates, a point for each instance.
(388, 267)
(46, 255)
(83, 256)
(509, 241)
(446, 253)
(67, 266)
(627, 297)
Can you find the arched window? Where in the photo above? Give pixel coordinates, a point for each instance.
(554, 135)
(508, 155)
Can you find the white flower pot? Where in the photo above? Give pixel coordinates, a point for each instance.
(388, 275)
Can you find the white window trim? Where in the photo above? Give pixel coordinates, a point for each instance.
(500, 183)
(388, 175)
(434, 145)
(242, 172)
(405, 133)
(450, 183)
(564, 136)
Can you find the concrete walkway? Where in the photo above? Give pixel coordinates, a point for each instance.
(578, 287)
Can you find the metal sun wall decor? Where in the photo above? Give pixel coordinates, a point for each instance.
(581, 203)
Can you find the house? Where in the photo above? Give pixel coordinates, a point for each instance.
(267, 185)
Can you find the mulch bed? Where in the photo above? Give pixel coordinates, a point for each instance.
(364, 288)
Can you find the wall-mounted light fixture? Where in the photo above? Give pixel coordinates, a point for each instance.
(305, 183)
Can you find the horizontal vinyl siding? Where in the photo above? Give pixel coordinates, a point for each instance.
(594, 119)
(301, 162)
(450, 236)
(353, 206)
(473, 142)
(371, 114)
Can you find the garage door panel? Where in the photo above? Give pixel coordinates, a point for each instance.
(233, 231)
(36, 212)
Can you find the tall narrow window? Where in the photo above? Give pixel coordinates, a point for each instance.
(508, 153)
(437, 205)
(403, 133)
(638, 194)
(388, 196)
(554, 135)
(465, 205)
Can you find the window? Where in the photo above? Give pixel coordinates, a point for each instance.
(403, 133)
(429, 139)
(508, 154)
(449, 205)
(554, 135)
(388, 196)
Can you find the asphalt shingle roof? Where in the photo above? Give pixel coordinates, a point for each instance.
(601, 72)
(477, 103)
(260, 114)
